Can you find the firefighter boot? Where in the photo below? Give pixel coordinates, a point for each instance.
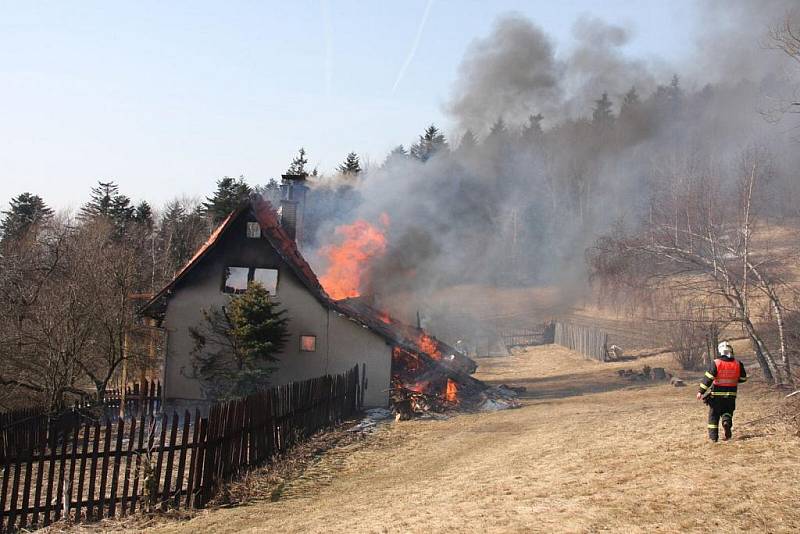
(727, 426)
(713, 432)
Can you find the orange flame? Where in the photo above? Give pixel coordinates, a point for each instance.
(348, 261)
(451, 393)
(418, 387)
(429, 346)
(384, 317)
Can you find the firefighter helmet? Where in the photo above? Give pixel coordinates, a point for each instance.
(725, 349)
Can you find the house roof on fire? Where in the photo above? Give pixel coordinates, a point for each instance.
(394, 332)
(271, 229)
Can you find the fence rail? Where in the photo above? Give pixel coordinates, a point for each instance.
(159, 461)
(591, 342)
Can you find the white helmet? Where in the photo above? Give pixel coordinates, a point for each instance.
(725, 349)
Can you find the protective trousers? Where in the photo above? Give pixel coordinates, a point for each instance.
(720, 413)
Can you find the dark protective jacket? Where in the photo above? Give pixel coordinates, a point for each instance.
(725, 374)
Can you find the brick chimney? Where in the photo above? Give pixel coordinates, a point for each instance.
(293, 203)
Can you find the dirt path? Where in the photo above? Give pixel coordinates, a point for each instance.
(587, 452)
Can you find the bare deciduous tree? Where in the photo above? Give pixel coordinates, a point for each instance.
(698, 240)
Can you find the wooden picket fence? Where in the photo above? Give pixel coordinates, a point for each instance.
(526, 337)
(157, 461)
(26, 430)
(591, 342)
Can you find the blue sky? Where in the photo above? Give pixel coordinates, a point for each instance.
(166, 97)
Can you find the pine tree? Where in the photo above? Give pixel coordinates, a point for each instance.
(669, 99)
(107, 202)
(630, 102)
(143, 214)
(630, 110)
(351, 165)
(675, 91)
(498, 134)
(467, 145)
(236, 344)
(102, 198)
(532, 131)
(298, 164)
(26, 210)
(602, 114)
(397, 155)
(429, 144)
(230, 194)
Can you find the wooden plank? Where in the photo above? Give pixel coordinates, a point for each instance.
(112, 503)
(64, 487)
(48, 496)
(160, 457)
(128, 457)
(205, 481)
(90, 498)
(104, 470)
(37, 496)
(4, 491)
(182, 459)
(14, 495)
(138, 468)
(173, 437)
(26, 490)
(196, 446)
(81, 474)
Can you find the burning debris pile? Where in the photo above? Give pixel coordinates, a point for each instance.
(421, 385)
(428, 375)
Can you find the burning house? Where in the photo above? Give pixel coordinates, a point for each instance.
(327, 336)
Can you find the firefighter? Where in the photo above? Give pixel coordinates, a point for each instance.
(718, 390)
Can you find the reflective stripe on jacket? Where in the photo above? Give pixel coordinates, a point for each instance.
(728, 372)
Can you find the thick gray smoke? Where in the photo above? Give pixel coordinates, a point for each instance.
(514, 72)
(520, 198)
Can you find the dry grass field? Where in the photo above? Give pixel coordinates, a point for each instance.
(587, 452)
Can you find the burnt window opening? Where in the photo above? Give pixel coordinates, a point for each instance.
(253, 230)
(236, 279)
(308, 343)
(267, 278)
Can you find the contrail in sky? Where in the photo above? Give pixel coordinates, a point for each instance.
(326, 21)
(413, 46)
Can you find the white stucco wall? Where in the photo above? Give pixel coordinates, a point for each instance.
(341, 343)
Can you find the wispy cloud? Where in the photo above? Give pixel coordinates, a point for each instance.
(328, 30)
(414, 46)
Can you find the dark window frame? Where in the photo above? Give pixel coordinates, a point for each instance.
(247, 230)
(251, 272)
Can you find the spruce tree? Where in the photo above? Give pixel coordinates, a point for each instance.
(398, 154)
(498, 134)
(107, 202)
(430, 143)
(351, 165)
(532, 131)
(298, 164)
(143, 214)
(230, 194)
(467, 145)
(26, 210)
(602, 114)
(235, 345)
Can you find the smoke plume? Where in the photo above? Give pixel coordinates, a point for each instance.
(520, 198)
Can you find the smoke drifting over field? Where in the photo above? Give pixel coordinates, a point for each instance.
(520, 206)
